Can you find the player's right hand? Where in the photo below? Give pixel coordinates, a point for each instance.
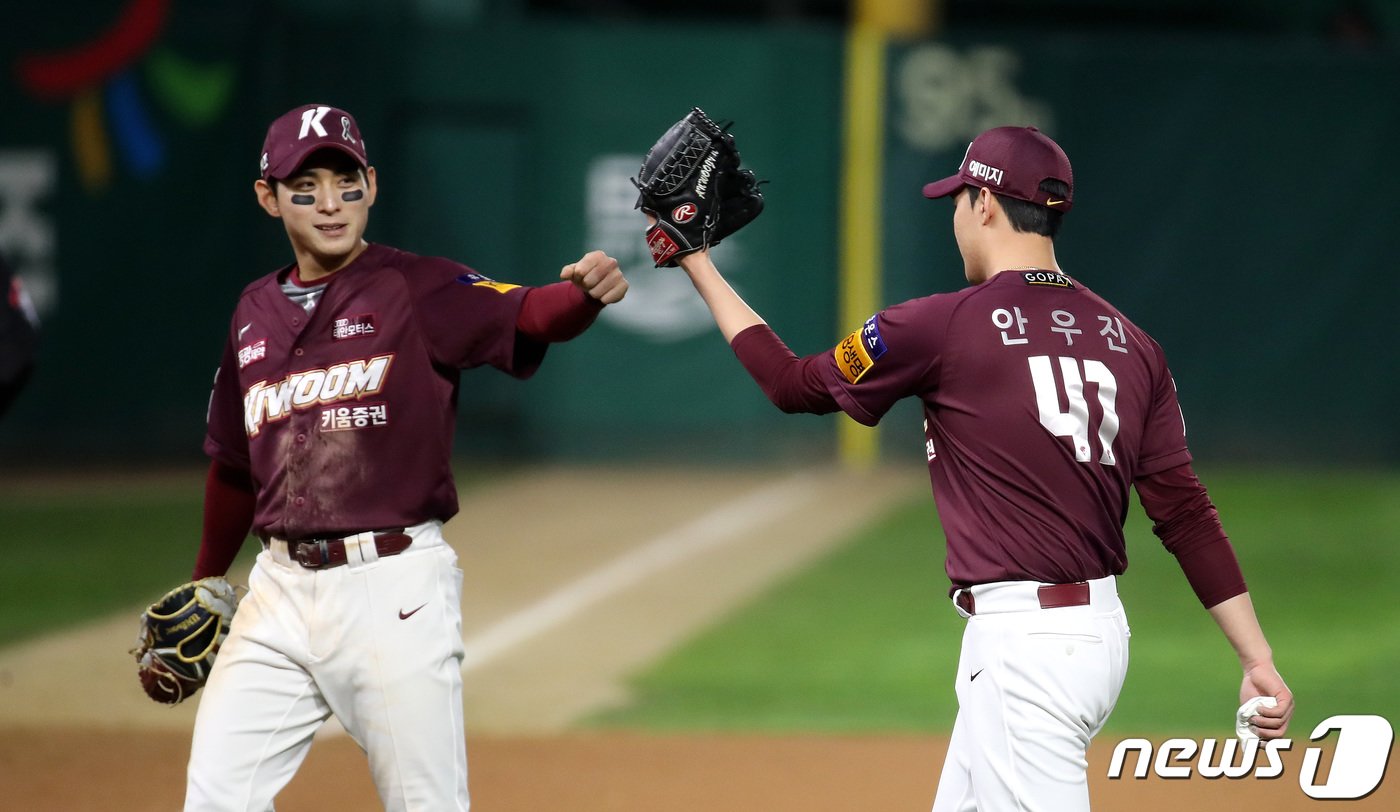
(1264, 680)
(598, 275)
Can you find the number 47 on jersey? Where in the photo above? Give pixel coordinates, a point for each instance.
(1074, 423)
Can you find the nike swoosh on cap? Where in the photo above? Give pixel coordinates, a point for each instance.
(1053, 202)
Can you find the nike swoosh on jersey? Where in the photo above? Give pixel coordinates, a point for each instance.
(245, 328)
(977, 674)
(406, 615)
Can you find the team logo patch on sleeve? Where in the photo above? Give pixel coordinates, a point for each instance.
(859, 351)
(476, 280)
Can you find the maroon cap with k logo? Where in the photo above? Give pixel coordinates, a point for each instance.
(303, 130)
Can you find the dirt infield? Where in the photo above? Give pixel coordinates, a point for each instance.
(616, 772)
(575, 578)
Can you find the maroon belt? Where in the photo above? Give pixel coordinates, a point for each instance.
(1052, 596)
(320, 554)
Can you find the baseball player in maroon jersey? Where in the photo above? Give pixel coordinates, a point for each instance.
(330, 430)
(1042, 405)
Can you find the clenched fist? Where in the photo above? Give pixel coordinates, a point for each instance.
(598, 275)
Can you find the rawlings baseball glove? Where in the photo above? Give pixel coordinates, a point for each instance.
(180, 635)
(691, 183)
(740, 202)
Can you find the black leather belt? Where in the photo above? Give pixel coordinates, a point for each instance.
(322, 554)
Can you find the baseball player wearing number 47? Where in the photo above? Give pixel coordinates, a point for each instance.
(330, 429)
(1043, 405)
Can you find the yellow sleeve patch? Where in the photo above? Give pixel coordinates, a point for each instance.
(499, 287)
(476, 280)
(852, 358)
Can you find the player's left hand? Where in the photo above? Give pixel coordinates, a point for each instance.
(1264, 680)
(691, 186)
(180, 636)
(598, 275)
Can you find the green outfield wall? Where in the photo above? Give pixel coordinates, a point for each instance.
(1234, 197)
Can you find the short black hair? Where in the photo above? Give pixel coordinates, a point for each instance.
(1029, 217)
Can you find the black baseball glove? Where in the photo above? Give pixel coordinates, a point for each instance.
(740, 202)
(180, 635)
(690, 181)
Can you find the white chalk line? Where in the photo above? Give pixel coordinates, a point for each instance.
(725, 524)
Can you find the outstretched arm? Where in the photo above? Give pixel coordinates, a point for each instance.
(563, 310)
(732, 313)
(557, 312)
(792, 384)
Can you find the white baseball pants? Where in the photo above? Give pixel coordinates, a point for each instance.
(1034, 685)
(376, 642)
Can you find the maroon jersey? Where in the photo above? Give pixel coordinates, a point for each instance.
(1042, 403)
(345, 415)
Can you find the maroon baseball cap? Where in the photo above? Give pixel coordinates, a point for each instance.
(301, 131)
(1011, 161)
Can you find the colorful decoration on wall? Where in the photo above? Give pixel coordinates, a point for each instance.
(101, 80)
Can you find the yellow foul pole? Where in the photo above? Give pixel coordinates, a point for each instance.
(862, 172)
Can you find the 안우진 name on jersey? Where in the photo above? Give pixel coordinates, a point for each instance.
(269, 402)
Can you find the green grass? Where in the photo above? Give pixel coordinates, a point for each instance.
(856, 642)
(75, 553)
(865, 640)
(78, 548)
